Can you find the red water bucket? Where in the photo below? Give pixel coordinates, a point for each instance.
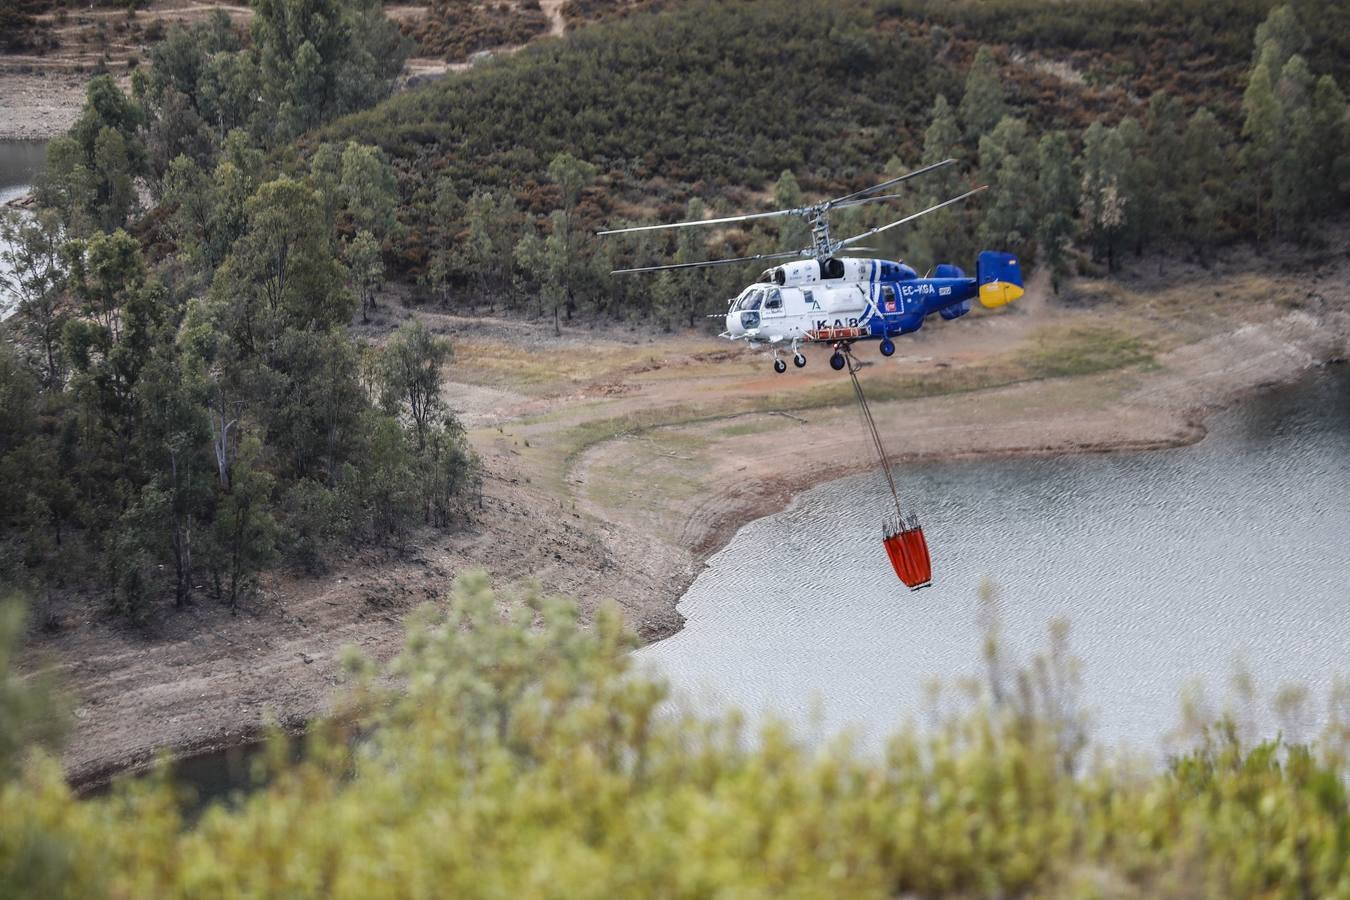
(909, 555)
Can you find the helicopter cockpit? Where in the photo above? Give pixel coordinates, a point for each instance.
(747, 306)
(751, 298)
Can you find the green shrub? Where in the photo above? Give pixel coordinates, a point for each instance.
(526, 755)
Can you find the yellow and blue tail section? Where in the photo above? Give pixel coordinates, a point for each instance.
(999, 278)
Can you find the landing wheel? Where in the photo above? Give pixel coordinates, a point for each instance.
(837, 361)
(887, 347)
(799, 360)
(779, 366)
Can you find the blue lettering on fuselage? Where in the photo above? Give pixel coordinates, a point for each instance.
(915, 300)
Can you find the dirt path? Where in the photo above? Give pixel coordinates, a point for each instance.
(616, 462)
(556, 23)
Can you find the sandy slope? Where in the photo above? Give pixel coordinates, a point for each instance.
(616, 462)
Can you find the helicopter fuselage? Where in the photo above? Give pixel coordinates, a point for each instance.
(844, 300)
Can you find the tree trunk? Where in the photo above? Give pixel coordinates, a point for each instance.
(182, 545)
(220, 445)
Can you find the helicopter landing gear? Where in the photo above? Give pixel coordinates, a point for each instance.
(779, 366)
(798, 360)
(887, 347)
(837, 361)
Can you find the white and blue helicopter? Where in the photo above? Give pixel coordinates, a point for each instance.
(833, 299)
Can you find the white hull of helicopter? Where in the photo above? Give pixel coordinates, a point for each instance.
(865, 299)
(807, 309)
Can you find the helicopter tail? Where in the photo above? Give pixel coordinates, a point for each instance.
(999, 277)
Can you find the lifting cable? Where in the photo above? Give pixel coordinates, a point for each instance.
(903, 538)
(871, 425)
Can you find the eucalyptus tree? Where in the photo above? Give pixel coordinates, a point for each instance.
(92, 170)
(982, 102)
(1104, 200)
(1207, 191)
(410, 376)
(1008, 165)
(34, 275)
(1058, 192)
(940, 234)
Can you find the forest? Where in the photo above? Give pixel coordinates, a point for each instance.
(527, 755)
(1200, 129)
(186, 406)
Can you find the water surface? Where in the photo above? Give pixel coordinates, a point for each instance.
(1170, 565)
(21, 162)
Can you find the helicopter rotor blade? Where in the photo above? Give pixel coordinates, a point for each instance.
(910, 218)
(711, 262)
(721, 221)
(885, 184)
(803, 211)
(861, 200)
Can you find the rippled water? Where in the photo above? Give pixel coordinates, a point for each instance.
(1170, 565)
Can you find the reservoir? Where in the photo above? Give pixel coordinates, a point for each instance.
(1172, 567)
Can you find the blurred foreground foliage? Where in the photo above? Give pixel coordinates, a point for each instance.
(527, 756)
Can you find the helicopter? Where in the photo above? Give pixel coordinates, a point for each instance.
(823, 297)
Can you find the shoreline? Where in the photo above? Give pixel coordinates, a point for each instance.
(94, 778)
(724, 530)
(562, 435)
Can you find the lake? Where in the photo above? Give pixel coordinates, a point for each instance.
(1171, 566)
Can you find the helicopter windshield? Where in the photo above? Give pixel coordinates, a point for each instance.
(750, 299)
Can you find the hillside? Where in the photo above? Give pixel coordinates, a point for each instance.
(710, 104)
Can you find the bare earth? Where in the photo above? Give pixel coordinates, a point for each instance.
(41, 94)
(616, 462)
(38, 107)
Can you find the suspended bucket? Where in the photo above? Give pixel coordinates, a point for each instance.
(908, 551)
(902, 535)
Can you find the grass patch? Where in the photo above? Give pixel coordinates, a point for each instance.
(1083, 350)
(581, 437)
(757, 425)
(1054, 353)
(544, 370)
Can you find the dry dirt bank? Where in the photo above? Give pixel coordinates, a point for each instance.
(617, 462)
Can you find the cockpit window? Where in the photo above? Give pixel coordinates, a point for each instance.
(754, 300)
(774, 300)
(888, 301)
